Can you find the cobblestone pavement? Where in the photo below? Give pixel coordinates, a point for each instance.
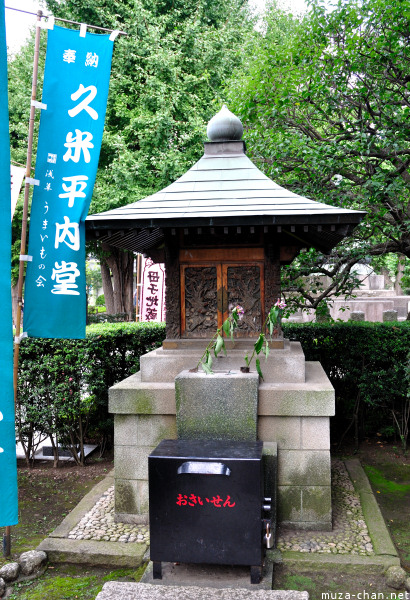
(349, 535)
(98, 524)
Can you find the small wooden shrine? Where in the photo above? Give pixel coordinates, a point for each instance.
(222, 229)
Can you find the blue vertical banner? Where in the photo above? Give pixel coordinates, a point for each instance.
(8, 462)
(75, 91)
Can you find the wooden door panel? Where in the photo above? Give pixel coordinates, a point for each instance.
(199, 300)
(210, 291)
(244, 287)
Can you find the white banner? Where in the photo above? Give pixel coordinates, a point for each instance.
(152, 302)
(16, 176)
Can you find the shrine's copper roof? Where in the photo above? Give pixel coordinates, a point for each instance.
(224, 188)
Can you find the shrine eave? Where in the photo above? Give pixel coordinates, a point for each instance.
(101, 222)
(322, 235)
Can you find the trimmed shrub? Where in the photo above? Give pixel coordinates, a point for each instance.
(366, 364)
(63, 384)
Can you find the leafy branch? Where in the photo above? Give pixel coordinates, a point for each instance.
(217, 342)
(261, 345)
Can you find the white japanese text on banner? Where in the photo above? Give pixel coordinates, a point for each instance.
(75, 91)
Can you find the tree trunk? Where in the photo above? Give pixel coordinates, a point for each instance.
(121, 264)
(107, 287)
(400, 272)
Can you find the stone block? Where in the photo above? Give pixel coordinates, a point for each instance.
(304, 467)
(285, 431)
(143, 430)
(315, 397)
(305, 507)
(317, 504)
(131, 396)
(222, 406)
(164, 366)
(131, 500)
(131, 462)
(289, 504)
(126, 496)
(113, 590)
(315, 433)
(155, 428)
(285, 364)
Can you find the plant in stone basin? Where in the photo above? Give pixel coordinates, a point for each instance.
(217, 342)
(273, 321)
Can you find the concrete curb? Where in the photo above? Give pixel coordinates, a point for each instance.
(379, 534)
(82, 508)
(90, 552)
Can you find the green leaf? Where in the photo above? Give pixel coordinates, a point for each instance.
(227, 327)
(258, 368)
(218, 345)
(266, 350)
(207, 369)
(259, 343)
(247, 360)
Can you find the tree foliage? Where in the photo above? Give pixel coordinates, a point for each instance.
(167, 76)
(327, 101)
(166, 81)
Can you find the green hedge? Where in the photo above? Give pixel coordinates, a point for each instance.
(367, 364)
(63, 384)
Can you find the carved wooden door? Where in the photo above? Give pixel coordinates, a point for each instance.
(211, 289)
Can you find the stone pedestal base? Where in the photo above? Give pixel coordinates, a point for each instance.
(294, 414)
(222, 406)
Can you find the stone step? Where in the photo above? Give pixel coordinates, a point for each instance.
(115, 590)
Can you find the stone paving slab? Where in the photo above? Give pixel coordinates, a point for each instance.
(205, 575)
(142, 591)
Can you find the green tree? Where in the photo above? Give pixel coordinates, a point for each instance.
(326, 99)
(167, 77)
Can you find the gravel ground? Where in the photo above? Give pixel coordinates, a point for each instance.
(349, 535)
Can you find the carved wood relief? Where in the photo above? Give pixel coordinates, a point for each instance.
(201, 317)
(244, 288)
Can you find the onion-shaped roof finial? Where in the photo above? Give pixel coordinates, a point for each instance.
(224, 126)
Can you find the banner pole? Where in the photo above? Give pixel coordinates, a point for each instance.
(7, 535)
(25, 206)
